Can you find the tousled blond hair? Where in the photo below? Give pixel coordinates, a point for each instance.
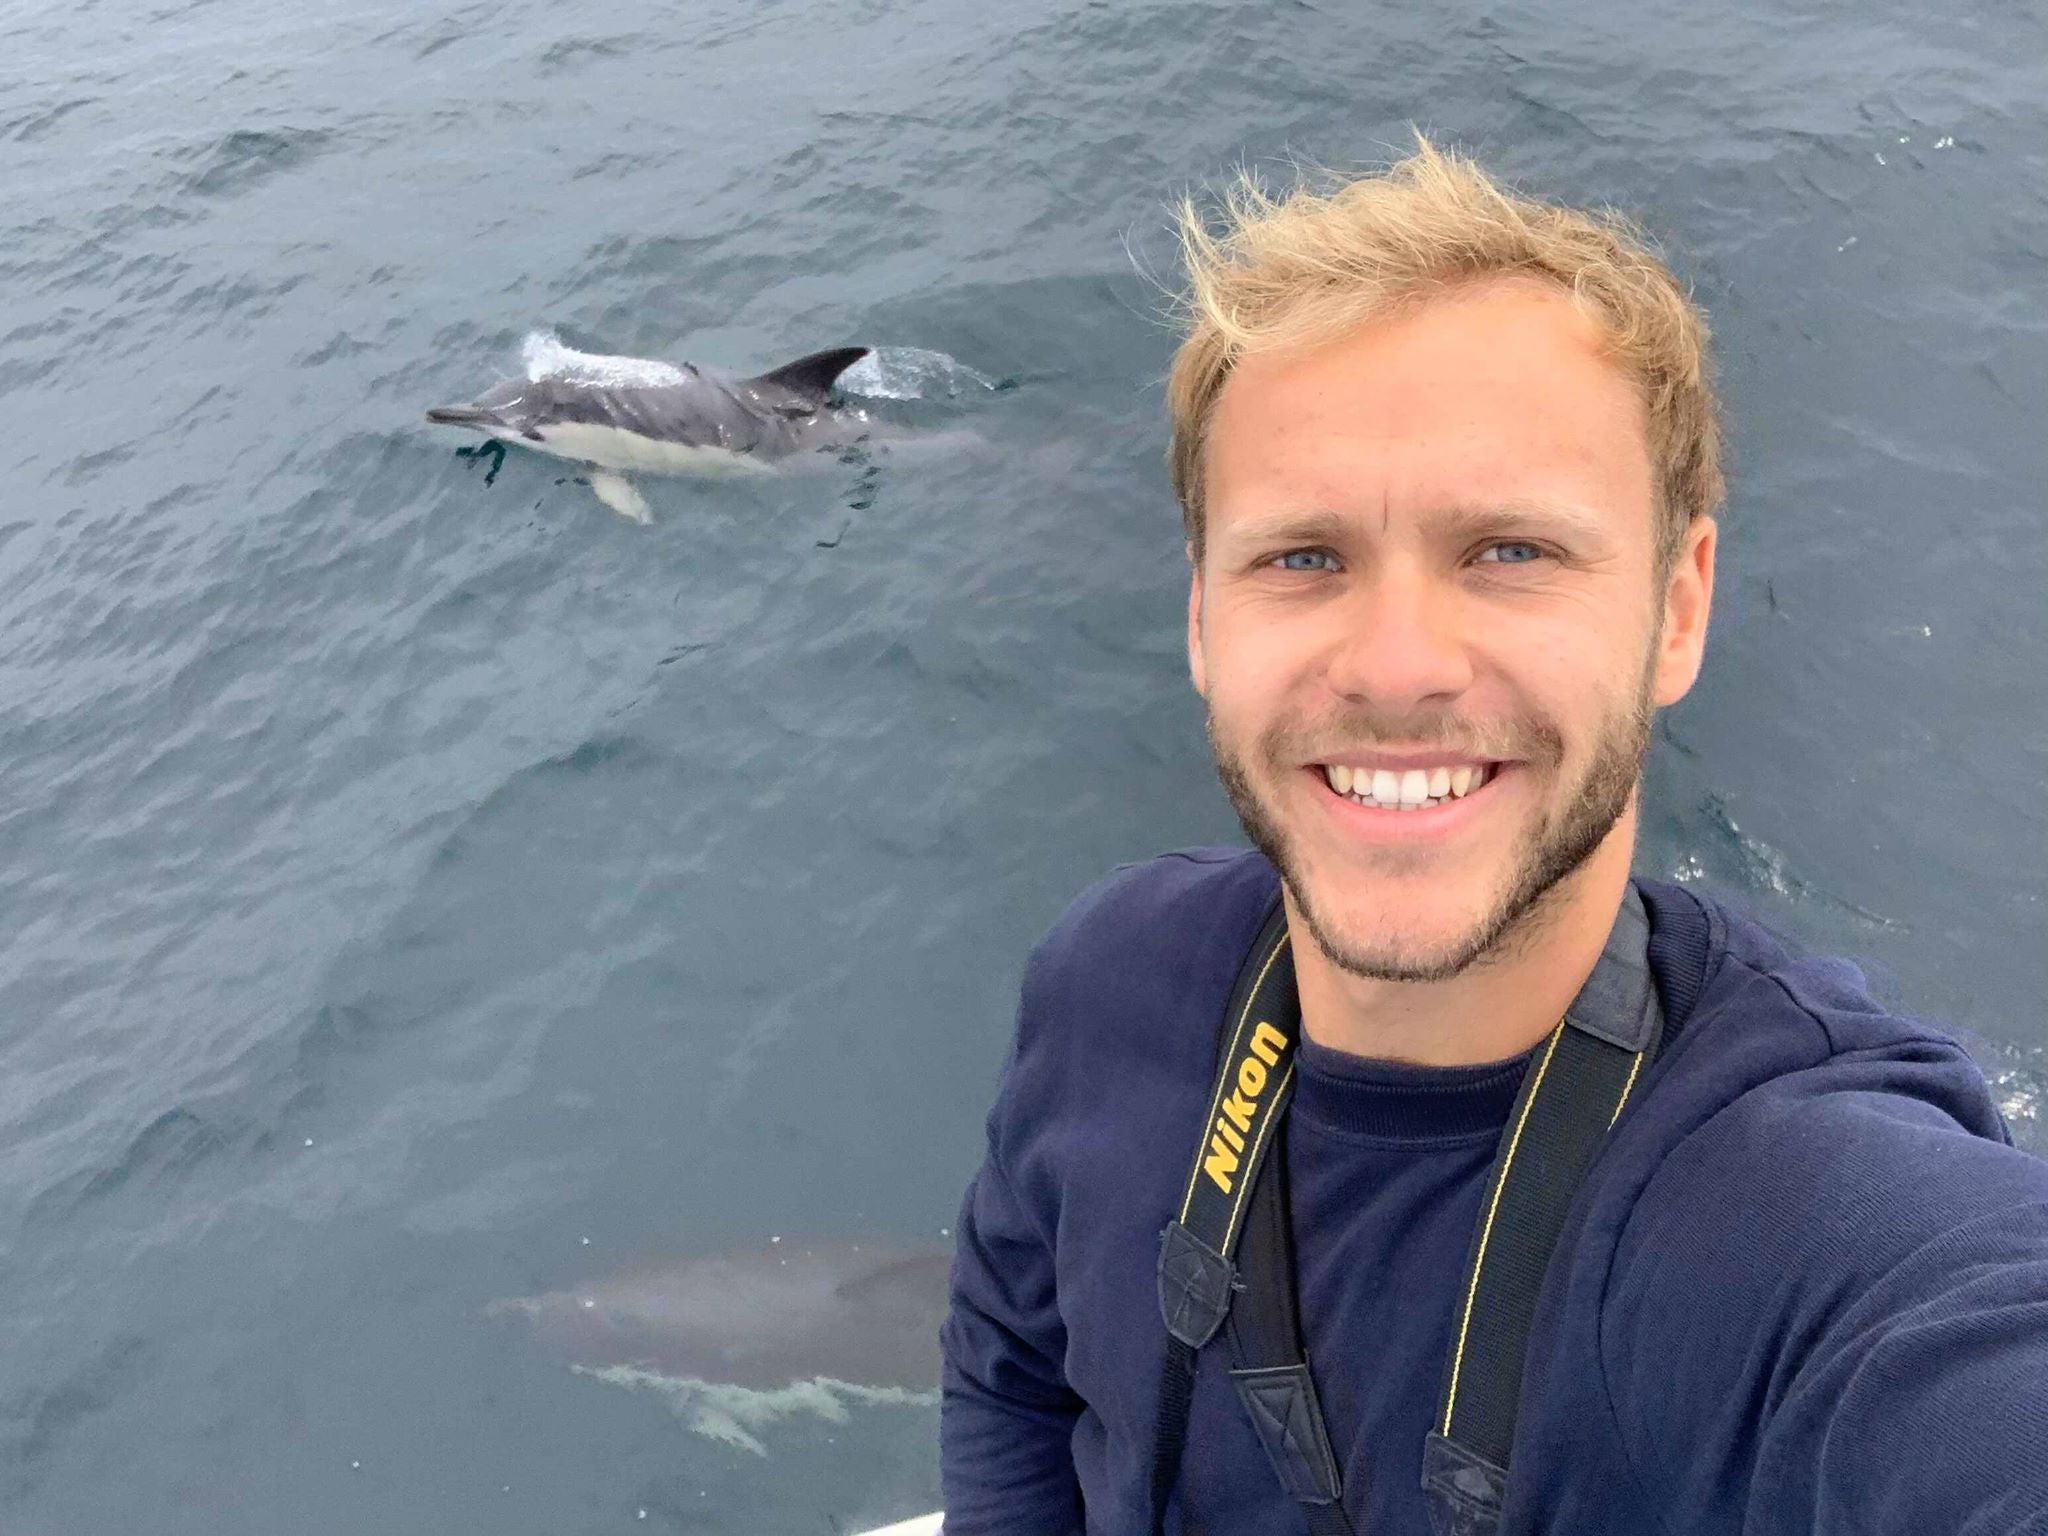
(1313, 265)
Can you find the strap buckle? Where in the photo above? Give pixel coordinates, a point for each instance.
(1281, 1400)
(1195, 1284)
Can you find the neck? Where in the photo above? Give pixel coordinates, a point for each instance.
(1495, 1009)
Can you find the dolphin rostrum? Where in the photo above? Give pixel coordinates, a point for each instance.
(619, 414)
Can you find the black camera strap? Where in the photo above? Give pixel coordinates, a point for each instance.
(1228, 1258)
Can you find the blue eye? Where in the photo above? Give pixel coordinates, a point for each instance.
(1512, 552)
(1306, 560)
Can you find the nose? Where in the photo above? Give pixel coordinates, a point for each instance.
(1402, 643)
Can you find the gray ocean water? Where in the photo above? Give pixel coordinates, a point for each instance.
(418, 892)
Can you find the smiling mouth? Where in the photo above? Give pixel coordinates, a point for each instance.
(1411, 789)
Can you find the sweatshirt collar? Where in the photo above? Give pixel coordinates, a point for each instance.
(1401, 1101)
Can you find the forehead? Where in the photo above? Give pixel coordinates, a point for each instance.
(1501, 393)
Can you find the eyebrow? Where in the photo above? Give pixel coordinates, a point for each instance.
(1465, 521)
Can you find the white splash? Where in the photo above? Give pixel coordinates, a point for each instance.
(911, 373)
(922, 1525)
(721, 1411)
(547, 357)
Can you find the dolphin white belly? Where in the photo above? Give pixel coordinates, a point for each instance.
(617, 448)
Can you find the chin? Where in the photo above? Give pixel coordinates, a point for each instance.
(1395, 932)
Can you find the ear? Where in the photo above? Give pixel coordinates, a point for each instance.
(1195, 668)
(1687, 598)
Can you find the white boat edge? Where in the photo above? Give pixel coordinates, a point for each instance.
(922, 1525)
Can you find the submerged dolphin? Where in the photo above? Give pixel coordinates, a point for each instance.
(861, 1315)
(618, 414)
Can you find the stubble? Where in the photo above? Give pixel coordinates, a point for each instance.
(1572, 827)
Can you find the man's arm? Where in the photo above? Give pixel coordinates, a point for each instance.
(1831, 1317)
(1925, 1406)
(1006, 1428)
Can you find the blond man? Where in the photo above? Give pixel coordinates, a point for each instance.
(1421, 1169)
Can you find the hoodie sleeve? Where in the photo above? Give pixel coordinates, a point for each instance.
(1006, 1427)
(1830, 1312)
(1926, 1407)
(1007, 1419)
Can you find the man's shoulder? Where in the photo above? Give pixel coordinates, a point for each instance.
(1817, 1006)
(1844, 1125)
(1146, 956)
(1163, 910)
(1803, 1158)
(1122, 999)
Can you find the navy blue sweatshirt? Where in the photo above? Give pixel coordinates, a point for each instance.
(1803, 1289)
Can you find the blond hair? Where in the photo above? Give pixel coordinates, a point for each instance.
(1314, 265)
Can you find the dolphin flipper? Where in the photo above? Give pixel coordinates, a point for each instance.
(619, 493)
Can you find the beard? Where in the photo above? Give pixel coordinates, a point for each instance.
(1563, 837)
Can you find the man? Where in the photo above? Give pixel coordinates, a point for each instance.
(1449, 464)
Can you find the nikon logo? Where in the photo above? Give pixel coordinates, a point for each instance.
(1234, 1123)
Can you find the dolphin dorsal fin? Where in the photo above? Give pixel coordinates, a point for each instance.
(812, 376)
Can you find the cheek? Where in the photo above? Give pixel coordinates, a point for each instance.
(1252, 667)
(1565, 679)
(1238, 700)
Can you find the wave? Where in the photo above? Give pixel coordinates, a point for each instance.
(912, 373)
(546, 356)
(731, 1414)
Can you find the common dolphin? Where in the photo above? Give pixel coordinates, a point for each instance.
(861, 1314)
(620, 414)
(737, 1341)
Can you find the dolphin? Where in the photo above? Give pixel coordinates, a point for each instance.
(619, 414)
(863, 1315)
(735, 1342)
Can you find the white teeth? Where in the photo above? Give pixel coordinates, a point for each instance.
(1409, 790)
